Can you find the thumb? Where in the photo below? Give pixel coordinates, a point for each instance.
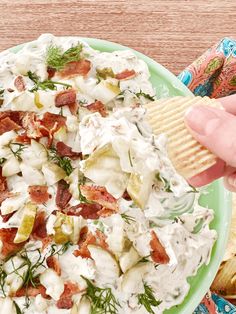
(214, 129)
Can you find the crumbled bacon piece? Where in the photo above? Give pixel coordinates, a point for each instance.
(63, 195)
(65, 301)
(65, 98)
(4, 193)
(97, 106)
(15, 116)
(38, 193)
(7, 125)
(31, 125)
(53, 263)
(106, 212)
(87, 238)
(65, 151)
(19, 83)
(158, 253)
(126, 196)
(23, 138)
(99, 195)
(7, 237)
(49, 120)
(74, 68)
(39, 231)
(51, 72)
(31, 292)
(125, 75)
(83, 251)
(6, 217)
(87, 211)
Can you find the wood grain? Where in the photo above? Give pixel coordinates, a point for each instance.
(173, 32)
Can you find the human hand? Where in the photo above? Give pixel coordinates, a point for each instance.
(216, 130)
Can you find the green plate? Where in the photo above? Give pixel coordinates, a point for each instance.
(218, 198)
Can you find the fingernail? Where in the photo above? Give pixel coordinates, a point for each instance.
(202, 120)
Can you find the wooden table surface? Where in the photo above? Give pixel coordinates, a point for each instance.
(173, 32)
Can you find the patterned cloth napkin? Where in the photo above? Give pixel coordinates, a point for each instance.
(213, 74)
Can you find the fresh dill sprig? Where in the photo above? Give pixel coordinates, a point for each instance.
(147, 299)
(17, 149)
(145, 259)
(127, 218)
(44, 85)
(147, 96)
(3, 276)
(60, 251)
(102, 299)
(2, 160)
(62, 162)
(31, 276)
(57, 59)
(18, 310)
(166, 184)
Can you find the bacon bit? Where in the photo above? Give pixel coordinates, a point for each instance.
(65, 151)
(7, 237)
(158, 253)
(75, 68)
(7, 125)
(126, 75)
(51, 72)
(65, 301)
(87, 238)
(65, 98)
(63, 195)
(38, 193)
(3, 182)
(101, 239)
(87, 211)
(46, 241)
(15, 116)
(106, 212)
(99, 195)
(83, 250)
(126, 196)
(31, 125)
(39, 231)
(4, 193)
(19, 83)
(23, 138)
(49, 120)
(6, 217)
(31, 292)
(97, 106)
(53, 263)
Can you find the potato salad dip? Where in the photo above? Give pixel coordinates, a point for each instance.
(94, 217)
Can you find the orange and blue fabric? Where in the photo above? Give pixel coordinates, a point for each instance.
(213, 74)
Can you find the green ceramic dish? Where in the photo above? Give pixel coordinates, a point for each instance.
(218, 198)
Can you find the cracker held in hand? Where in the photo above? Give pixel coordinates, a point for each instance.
(167, 116)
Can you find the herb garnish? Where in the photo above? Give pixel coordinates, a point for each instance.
(61, 251)
(17, 149)
(102, 299)
(164, 181)
(128, 219)
(2, 160)
(44, 85)
(18, 310)
(147, 299)
(149, 97)
(62, 162)
(57, 59)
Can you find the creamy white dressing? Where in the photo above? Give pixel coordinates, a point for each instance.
(127, 147)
